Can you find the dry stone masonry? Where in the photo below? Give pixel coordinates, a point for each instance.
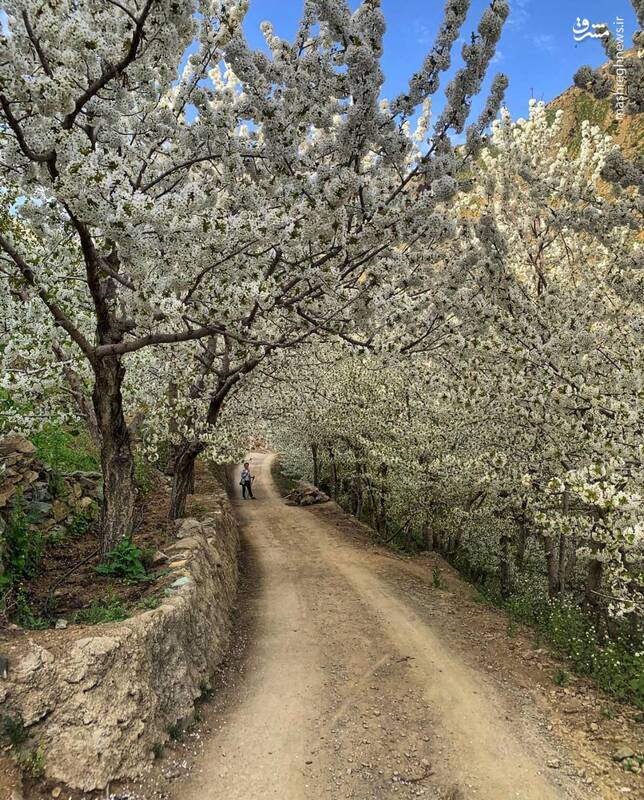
(48, 500)
(99, 700)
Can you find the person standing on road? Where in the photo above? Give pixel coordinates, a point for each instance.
(246, 481)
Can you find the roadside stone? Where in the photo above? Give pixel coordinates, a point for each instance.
(622, 753)
(183, 581)
(61, 624)
(39, 509)
(159, 558)
(60, 510)
(554, 763)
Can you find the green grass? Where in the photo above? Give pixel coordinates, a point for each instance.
(143, 473)
(66, 450)
(616, 664)
(101, 611)
(25, 615)
(285, 483)
(23, 546)
(175, 731)
(32, 763)
(437, 578)
(124, 561)
(560, 678)
(14, 731)
(149, 603)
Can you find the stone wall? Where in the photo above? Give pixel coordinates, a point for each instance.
(98, 699)
(48, 500)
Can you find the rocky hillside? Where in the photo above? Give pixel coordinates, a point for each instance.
(578, 106)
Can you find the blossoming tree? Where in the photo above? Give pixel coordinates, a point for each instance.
(167, 209)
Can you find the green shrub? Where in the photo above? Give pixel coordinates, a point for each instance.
(437, 578)
(158, 750)
(616, 664)
(66, 450)
(32, 763)
(175, 731)
(285, 483)
(56, 484)
(81, 521)
(124, 561)
(143, 473)
(148, 603)
(206, 693)
(101, 611)
(560, 677)
(14, 730)
(26, 616)
(24, 546)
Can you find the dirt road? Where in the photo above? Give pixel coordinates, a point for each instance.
(346, 689)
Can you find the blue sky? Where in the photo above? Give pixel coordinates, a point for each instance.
(537, 49)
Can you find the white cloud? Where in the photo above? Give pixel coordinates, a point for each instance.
(544, 41)
(519, 14)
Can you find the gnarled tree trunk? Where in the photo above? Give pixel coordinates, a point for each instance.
(316, 465)
(505, 569)
(334, 473)
(552, 564)
(183, 481)
(119, 492)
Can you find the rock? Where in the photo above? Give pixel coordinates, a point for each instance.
(6, 493)
(188, 527)
(159, 558)
(306, 495)
(77, 690)
(30, 477)
(60, 510)
(622, 753)
(16, 794)
(40, 491)
(183, 581)
(37, 510)
(4, 668)
(554, 763)
(84, 502)
(61, 624)
(55, 792)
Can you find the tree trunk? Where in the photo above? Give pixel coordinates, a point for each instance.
(316, 466)
(117, 509)
(334, 473)
(382, 500)
(593, 584)
(183, 480)
(505, 571)
(357, 492)
(522, 539)
(565, 503)
(428, 536)
(552, 565)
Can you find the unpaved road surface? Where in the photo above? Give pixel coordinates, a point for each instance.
(347, 688)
